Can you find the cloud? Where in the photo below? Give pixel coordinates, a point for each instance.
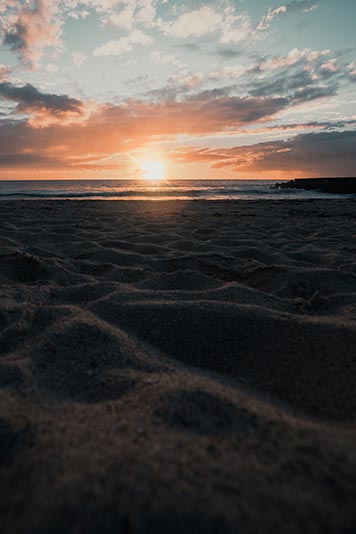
(237, 28)
(340, 124)
(267, 19)
(306, 94)
(297, 86)
(128, 13)
(5, 72)
(67, 133)
(28, 28)
(43, 108)
(352, 72)
(166, 59)
(177, 87)
(313, 154)
(79, 58)
(123, 19)
(123, 45)
(228, 53)
(300, 75)
(294, 56)
(233, 27)
(114, 127)
(228, 73)
(199, 114)
(194, 23)
(304, 6)
(190, 47)
(26, 161)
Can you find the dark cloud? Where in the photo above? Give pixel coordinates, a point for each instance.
(15, 38)
(44, 108)
(28, 97)
(311, 125)
(284, 83)
(305, 94)
(15, 160)
(326, 153)
(191, 47)
(229, 53)
(313, 154)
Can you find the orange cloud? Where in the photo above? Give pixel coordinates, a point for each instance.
(65, 133)
(69, 128)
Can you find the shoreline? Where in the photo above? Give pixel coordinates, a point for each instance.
(179, 201)
(182, 190)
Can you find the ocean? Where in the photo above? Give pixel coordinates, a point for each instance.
(146, 190)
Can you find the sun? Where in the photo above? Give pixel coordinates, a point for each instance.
(153, 170)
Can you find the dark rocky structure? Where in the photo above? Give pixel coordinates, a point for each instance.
(326, 185)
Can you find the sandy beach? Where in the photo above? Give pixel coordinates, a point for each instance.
(177, 367)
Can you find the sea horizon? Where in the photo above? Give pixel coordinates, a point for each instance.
(187, 189)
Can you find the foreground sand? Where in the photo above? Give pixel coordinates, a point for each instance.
(177, 367)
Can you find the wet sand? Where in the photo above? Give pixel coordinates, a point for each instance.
(177, 367)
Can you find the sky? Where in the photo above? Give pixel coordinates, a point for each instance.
(219, 89)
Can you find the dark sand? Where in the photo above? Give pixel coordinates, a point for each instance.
(178, 367)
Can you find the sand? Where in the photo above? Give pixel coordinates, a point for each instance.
(177, 367)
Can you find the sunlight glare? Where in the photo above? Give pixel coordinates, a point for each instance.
(153, 170)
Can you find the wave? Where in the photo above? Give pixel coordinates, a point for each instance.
(134, 193)
(212, 190)
(104, 194)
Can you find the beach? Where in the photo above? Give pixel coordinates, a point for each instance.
(182, 367)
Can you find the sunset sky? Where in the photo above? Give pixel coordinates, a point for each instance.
(217, 89)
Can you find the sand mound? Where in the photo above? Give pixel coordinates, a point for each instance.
(74, 358)
(290, 282)
(201, 412)
(21, 267)
(20, 322)
(293, 358)
(136, 247)
(180, 280)
(112, 256)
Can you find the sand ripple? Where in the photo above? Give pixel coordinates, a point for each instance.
(177, 367)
